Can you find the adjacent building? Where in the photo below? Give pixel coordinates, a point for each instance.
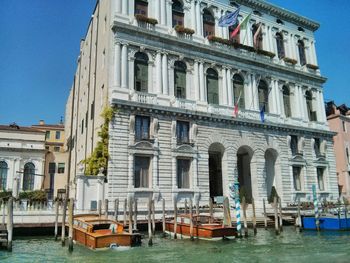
(22, 158)
(339, 121)
(174, 77)
(55, 158)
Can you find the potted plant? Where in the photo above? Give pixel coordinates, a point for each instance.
(184, 30)
(311, 66)
(290, 60)
(145, 19)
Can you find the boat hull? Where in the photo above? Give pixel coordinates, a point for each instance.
(326, 223)
(208, 231)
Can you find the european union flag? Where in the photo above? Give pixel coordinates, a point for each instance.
(262, 114)
(229, 19)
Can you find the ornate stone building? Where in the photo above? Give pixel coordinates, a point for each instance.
(174, 76)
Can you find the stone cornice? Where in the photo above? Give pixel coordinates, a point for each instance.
(281, 13)
(138, 36)
(131, 105)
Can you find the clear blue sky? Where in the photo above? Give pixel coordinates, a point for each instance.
(40, 44)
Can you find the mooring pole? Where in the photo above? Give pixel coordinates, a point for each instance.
(197, 207)
(106, 208)
(125, 207)
(99, 208)
(238, 210)
(254, 216)
(3, 205)
(265, 216)
(191, 219)
(150, 242)
(210, 210)
(163, 208)
(63, 226)
(153, 217)
(175, 218)
(276, 216)
(57, 206)
(244, 205)
(9, 223)
(299, 216)
(70, 224)
(116, 208)
(317, 217)
(281, 219)
(186, 210)
(135, 213)
(130, 215)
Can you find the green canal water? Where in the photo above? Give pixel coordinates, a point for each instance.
(290, 246)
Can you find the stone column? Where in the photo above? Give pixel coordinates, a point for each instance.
(255, 93)
(195, 172)
(305, 115)
(157, 9)
(173, 172)
(162, 12)
(150, 86)
(80, 193)
(124, 7)
(158, 73)
(217, 29)
(155, 171)
(323, 110)
(313, 53)
(165, 74)
(131, 7)
(117, 64)
(224, 87)
(118, 6)
(296, 98)
(249, 36)
(130, 171)
(124, 66)
(229, 87)
(198, 19)
(131, 61)
(169, 13)
(193, 16)
(201, 82)
(196, 81)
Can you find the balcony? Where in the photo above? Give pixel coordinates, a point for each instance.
(220, 110)
(184, 104)
(143, 97)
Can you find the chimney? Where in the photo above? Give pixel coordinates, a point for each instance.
(41, 122)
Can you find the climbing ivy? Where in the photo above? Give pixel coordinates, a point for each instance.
(99, 156)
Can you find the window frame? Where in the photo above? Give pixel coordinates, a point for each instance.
(139, 179)
(180, 68)
(137, 6)
(263, 93)
(212, 74)
(28, 177)
(281, 52)
(3, 175)
(237, 90)
(58, 135)
(183, 183)
(61, 168)
(141, 63)
(297, 178)
(320, 183)
(286, 102)
(139, 134)
(180, 139)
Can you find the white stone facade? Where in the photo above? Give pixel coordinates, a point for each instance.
(260, 152)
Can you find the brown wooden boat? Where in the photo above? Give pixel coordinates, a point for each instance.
(94, 232)
(204, 227)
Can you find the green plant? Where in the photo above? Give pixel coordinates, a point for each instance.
(273, 194)
(311, 66)
(99, 156)
(36, 195)
(143, 18)
(219, 40)
(290, 60)
(265, 53)
(184, 30)
(5, 195)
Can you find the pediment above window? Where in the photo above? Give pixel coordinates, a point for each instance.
(146, 145)
(185, 148)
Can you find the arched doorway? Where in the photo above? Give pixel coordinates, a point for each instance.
(216, 152)
(270, 170)
(244, 157)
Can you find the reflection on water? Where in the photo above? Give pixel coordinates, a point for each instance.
(290, 246)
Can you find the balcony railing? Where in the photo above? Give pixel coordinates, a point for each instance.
(220, 110)
(143, 97)
(184, 104)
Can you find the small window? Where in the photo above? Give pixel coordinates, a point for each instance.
(294, 144)
(302, 55)
(56, 149)
(183, 173)
(182, 131)
(344, 126)
(286, 101)
(142, 124)
(212, 86)
(297, 178)
(52, 168)
(180, 79)
(263, 94)
(60, 168)
(311, 112)
(93, 205)
(47, 135)
(317, 146)
(141, 72)
(82, 126)
(28, 177)
(141, 7)
(92, 110)
(3, 175)
(257, 36)
(178, 13)
(238, 91)
(208, 23)
(280, 45)
(320, 178)
(141, 176)
(58, 135)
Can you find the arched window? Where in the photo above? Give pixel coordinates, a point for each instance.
(141, 72)
(263, 92)
(257, 36)
(180, 79)
(310, 111)
(178, 13)
(28, 177)
(212, 86)
(208, 23)
(286, 101)
(302, 55)
(141, 7)
(280, 45)
(3, 175)
(238, 90)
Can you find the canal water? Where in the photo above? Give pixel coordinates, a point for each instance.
(290, 246)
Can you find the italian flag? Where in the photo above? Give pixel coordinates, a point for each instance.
(242, 25)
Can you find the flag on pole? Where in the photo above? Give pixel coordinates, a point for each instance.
(256, 36)
(242, 25)
(235, 110)
(262, 114)
(229, 19)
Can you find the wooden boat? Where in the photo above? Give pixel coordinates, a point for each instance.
(99, 232)
(204, 227)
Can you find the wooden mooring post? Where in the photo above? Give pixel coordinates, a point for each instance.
(211, 210)
(125, 205)
(3, 205)
(116, 208)
(191, 219)
(130, 215)
(153, 212)
(163, 219)
(135, 213)
(298, 219)
(254, 217)
(63, 225)
(175, 218)
(265, 216)
(276, 215)
(70, 224)
(57, 207)
(9, 223)
(106, 208)
(244, 206)
(280, 217)
(99, 207)
(197, 207)
(149, 206)
(186, 210)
